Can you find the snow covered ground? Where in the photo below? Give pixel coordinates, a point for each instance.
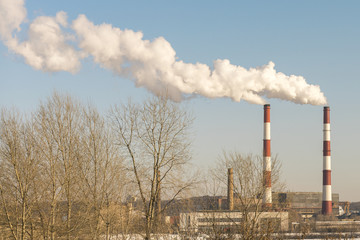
(289, 236)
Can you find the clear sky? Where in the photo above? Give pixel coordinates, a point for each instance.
(319, 40)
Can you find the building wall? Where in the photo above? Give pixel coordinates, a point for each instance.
(303, 202)
(337, 226)
(197, 221)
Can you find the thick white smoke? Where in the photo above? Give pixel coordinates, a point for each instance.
(47, 47)
(151, 64)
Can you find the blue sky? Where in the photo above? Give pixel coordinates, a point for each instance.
(318, 40)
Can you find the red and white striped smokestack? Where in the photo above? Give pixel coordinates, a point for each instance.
(327, 198)
(267, 199)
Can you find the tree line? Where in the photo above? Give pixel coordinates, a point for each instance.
(66, 169)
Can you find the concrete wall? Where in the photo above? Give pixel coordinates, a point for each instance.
(337, 226)
(196, 221)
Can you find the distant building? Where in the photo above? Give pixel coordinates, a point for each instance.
(307, 204)
(224, 221)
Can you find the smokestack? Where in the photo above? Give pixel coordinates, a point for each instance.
(230, 196)
(267, 199)
(327, 198)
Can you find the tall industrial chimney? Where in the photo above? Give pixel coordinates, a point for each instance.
(267, 199)
(327, 198)
(230, 192)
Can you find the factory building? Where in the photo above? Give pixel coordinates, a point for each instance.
(275, 206)
(307, 204)
(231, 221)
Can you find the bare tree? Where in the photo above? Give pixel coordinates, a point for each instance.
(58, 139)
(154, 137)
(18, 172)
(49, 185)
(100, 169)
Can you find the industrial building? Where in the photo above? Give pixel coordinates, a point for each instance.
(227, 213)
(231, 221)
(307, 204)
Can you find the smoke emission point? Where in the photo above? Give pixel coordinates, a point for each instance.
(54, 45)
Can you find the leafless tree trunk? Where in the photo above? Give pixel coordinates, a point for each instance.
(154, 137)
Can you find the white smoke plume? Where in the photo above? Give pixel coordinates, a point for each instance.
(47, 47)
(151, 64)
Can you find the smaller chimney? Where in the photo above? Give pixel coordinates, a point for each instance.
(230, 192)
